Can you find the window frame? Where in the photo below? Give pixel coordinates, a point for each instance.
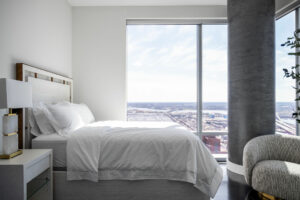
(200, 83)
(199, 24)
(200, 132)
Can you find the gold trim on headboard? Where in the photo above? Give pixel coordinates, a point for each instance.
(23, 71)
(19, 76)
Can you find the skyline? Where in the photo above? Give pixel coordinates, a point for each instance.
(214, 115)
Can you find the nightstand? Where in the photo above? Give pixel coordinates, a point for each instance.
(27, 176)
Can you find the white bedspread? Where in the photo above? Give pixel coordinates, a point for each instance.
(141, 150)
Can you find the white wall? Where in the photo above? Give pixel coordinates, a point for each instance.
(36, 32)
(99, 51)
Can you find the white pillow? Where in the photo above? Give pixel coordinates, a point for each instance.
(34, 128)
(40, 115)
(63, 118)
(84, 112)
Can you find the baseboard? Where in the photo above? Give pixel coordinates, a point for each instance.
(235, 168)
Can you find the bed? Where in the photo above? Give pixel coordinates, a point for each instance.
(58, 144)
(111, 184)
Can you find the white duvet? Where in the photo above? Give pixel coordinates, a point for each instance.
(111, 150)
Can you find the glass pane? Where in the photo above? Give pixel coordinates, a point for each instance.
(285, 94)
(162, 73)
(214, 89)
(214, 78)
(216, 144)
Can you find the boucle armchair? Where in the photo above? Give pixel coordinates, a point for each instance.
(272, 165)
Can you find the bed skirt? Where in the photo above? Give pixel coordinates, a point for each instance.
(123, 189)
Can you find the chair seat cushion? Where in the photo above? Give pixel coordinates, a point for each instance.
(278, 178)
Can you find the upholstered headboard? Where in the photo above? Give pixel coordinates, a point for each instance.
(47, 87)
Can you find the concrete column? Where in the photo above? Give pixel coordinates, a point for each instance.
(251, 74)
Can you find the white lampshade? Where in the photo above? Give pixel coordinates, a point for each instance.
(15, 94)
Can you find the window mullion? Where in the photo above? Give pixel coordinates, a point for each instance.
(199, 79)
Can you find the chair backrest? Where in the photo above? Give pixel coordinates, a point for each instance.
(270, 147)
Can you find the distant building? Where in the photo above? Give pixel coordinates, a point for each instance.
(213, 143)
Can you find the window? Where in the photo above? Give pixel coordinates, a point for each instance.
(285, 94)
(162, 73)
(162, 78)
(214, 89)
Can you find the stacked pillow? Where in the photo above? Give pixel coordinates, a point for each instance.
(39, 123)
(85, 113)
(61, 118)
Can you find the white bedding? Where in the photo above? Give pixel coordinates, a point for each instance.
(141, 150)
(57, 143)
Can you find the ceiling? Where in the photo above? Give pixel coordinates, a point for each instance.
(146, 2)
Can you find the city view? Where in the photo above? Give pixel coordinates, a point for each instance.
(162, 67)
(214, 118)
(285, 124)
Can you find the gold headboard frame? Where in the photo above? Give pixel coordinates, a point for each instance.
(26, 72)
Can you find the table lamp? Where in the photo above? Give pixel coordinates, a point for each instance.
(13, 94)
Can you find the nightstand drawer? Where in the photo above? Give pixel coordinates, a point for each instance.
(27, 176)
(36, 169)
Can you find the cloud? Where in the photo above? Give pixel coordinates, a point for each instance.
(162, 62)
(148, 88)
(162, 65)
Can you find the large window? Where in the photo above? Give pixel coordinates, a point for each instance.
(162, 71)
(166, 81)
(285, 94)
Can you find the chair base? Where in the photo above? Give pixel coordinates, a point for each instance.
(265, 196)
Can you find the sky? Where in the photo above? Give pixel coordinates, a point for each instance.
(285, 28)
(161, 62)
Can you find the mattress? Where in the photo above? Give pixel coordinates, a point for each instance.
(58, 145)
